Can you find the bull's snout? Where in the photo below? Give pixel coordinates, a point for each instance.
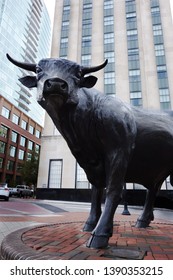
(55, 86)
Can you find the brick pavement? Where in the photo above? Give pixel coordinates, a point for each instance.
(63, 238)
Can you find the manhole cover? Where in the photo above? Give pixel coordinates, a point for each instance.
(127, 254)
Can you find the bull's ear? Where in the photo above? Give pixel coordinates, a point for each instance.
(88, 82)
(29, 81)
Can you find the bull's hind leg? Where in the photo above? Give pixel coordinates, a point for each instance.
(147, 215)
(95, 211)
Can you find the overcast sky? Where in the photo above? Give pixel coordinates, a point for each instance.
(50, 6)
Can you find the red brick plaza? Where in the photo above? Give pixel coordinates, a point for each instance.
(64, 239)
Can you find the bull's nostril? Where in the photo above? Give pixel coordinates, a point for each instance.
(48, 84)
(63, 86)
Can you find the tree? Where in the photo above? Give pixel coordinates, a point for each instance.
(29, 170)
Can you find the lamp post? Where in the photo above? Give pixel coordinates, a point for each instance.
(125, 211)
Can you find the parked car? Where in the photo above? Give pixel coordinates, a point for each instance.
(4, 191)
(13, 192)
(24, 191)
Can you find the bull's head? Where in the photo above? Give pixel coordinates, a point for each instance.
(58, 79)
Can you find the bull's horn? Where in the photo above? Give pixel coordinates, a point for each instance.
(26, 66)
(86, 70)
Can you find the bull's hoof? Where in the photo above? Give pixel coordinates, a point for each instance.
(98, 242)
(88, 227)
(142, 224)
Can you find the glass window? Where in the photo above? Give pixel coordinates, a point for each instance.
(14, 137)
(131, 15)
(5, 112)
(55, 174)
(3, 131)
(37, 133)
(159, 50)
(15, 119)
(22, 141)
(30, 145)
(12, 151)
(29, 156)
(108, 4)
(109, 78)
(24, 124)
(31, 129)
(81, 178)
(21, 155)
(108, 20)
(2, 147)
(10, 165)
(110, 56)
(108, 38)
(1, 162)
(157, 30)
(86, 60)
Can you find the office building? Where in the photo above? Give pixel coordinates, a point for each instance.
(137, 39)
(25, 33)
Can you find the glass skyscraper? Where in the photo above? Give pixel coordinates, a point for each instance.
(25, 32)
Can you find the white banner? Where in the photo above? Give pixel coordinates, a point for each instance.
(86, 270)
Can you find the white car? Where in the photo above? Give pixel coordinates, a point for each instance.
(4, 191)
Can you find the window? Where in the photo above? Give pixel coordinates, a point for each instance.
(1, 162)
(3, 131)
(14, 137)
(31, 129)
(37, 133)
(12, 151)
(37, 149)
(108, 4)
(81, 178)
(55, 174)
(157, 30)
(155, 10)
(30, 145)
(21, 155)
(22, 141)
(29, 156)
(2, 147)
(110, 56)
(130, 15)
(108, 20)
(86, 60)
(109, 78)
(108, 38)
(10, 165)
(5, 112)
(24, 124)
(159, 50)
(15, 119)
(86, 41)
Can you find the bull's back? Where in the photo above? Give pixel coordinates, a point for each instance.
(152, 158)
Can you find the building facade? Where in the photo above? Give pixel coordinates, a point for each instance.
(19, 137)
(137, 39)
(25, 33)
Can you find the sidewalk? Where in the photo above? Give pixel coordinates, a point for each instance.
(60, 236)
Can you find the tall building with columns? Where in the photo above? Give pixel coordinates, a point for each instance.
(137, 39)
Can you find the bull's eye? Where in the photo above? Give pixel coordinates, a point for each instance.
(38, 69)
(79, 74)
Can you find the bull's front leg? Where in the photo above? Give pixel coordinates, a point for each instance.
(95, 212)
(104, 229)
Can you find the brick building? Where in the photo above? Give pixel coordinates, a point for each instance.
(19, 137)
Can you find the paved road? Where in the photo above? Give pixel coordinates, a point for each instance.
(19, 213)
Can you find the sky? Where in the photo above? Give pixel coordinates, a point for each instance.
(50, 6)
